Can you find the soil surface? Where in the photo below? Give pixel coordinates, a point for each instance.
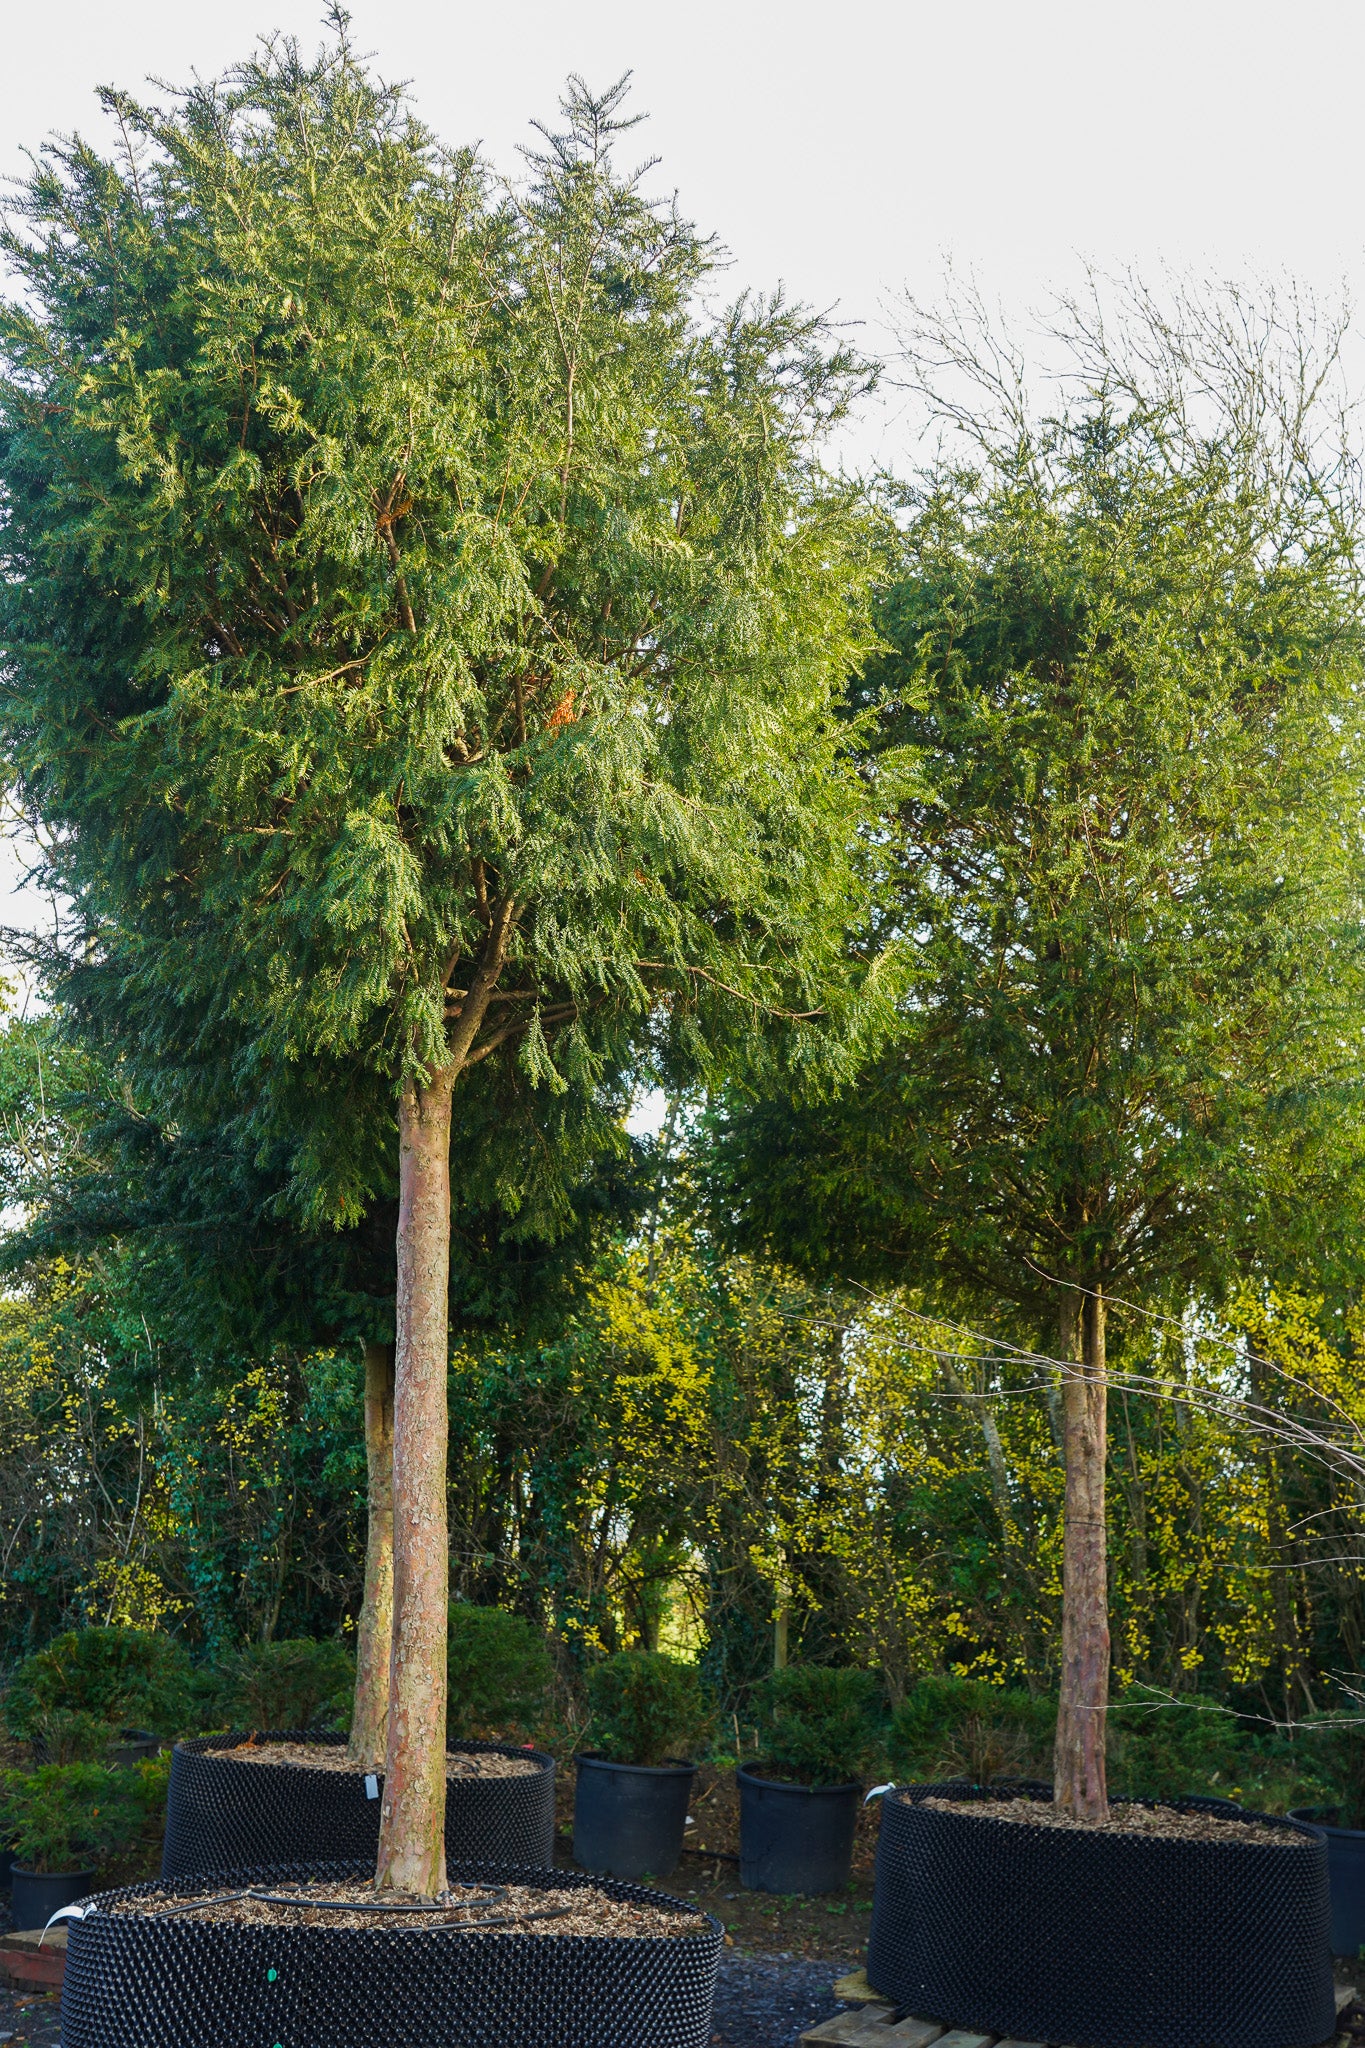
(1162, 1821)
(769, 2001)
(510, 1909)
(322, 1756)
(30, 2018)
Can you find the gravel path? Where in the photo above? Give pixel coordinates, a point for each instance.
(766, 2001)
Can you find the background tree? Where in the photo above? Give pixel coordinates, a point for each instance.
(422, 629)
(1125, 660)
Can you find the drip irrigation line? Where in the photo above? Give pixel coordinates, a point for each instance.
(496, 1897)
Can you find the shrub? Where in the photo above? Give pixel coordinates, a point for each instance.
(498, 1669)
(966, 1728)
(298, 1683)
(1330, 1764)
(646, 1708)
(59, 1815)
(61, 1737)
(817, 1723)
(122, 1677)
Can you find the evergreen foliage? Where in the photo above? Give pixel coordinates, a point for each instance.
(646, 1708)
(387, 558)
(1126, 671)
(499, 1670)
(116, 1676)
(818, 1723)
(298, 1683)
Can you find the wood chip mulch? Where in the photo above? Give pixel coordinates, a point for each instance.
(322, 1756)
(505, 1909)
(1162, 1821)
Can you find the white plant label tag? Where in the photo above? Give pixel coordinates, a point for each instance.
(371, 1785)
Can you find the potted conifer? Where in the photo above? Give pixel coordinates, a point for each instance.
(798, 1805)
(499, 698)
(633, 1785)
(1091, 1097)
(64, 1820)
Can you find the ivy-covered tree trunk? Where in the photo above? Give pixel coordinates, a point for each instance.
(370, 1718)
(1080, 1785)
(412, 1823)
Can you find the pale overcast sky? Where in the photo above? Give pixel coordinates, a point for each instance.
(846, 149)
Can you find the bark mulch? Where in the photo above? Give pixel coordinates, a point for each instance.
(1161, 1821)
(323, 1756)
(496, 1908)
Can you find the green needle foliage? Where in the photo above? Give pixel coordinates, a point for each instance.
(1126, 661)
(1129, 676)
(647, 1708)
(424, 629)
(389, 556)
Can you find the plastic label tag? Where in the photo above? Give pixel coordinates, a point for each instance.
(371, 1785)
(878, 1790)
(62, 1913)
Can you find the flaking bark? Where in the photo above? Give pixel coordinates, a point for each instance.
(370, 1718)
(1079, 1779)
(412, 1822)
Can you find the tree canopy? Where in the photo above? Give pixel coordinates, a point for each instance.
(424, 627)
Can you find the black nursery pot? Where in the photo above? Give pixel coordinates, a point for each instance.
(133, 1981)
(135, 1746)
(1345, 1875)
(1070, 1934)
(222, 1814)
(628, 1819)
(795, 1838)
(35, 1895)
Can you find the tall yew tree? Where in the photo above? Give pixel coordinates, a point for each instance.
(422, 631)
(1124, 669)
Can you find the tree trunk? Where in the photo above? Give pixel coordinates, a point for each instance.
(1079, 1763)
(370, 1719)
(412, 1823)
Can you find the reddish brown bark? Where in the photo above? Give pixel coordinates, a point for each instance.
(1079, 1779)
(370, 1718)
(412, 1822)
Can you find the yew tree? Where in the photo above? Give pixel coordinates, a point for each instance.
(423, 624)
(1121, 692)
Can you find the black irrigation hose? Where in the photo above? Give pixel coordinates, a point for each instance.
(494, 1898)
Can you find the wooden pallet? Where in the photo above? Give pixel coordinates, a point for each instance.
(29, 1967)
(879, 2025)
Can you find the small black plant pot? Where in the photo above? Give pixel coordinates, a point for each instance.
(135, 1746)
(1113, 1939)
(795, 1838)
(628, 1819)
(35, 1895)
(134, 1981)
(1345, 1876)
(222, 1814)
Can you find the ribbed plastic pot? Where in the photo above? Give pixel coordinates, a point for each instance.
(1073, 1934)
(795, 1838)
(134, 1981)
(223, 1814)
(35, 1895)
(1345, 1876)
(628, 1819)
